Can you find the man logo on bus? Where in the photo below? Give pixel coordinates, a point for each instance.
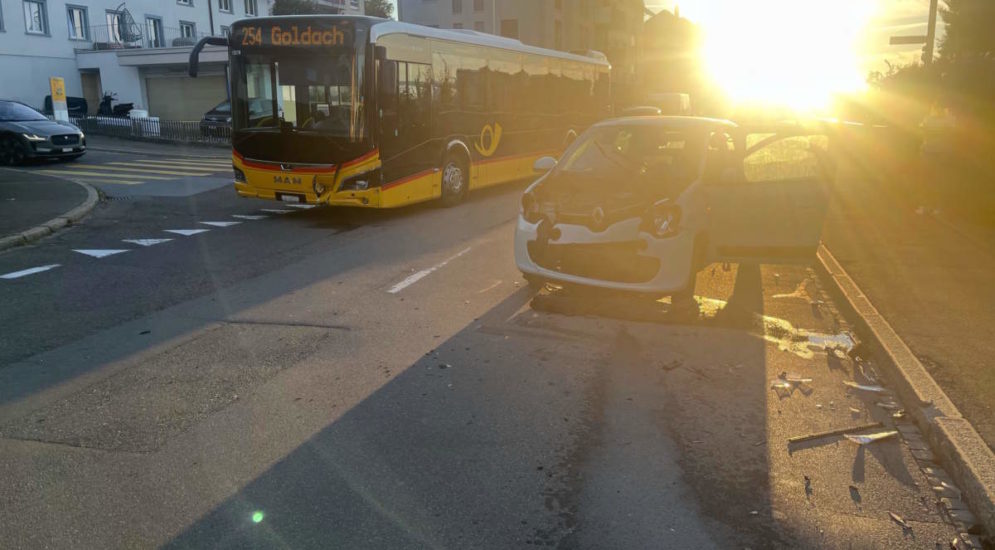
(490, 136)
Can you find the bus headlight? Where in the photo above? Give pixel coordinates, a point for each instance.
(239, 175)
(364, 181)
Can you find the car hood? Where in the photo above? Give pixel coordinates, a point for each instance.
(574, 199)
(43, 128)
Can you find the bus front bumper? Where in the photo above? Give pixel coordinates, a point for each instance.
(369, 198)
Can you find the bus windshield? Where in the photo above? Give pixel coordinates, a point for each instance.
(303, 93)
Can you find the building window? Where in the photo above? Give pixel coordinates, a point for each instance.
(509, 28)
(478, 26)
(114, 27)
(251, 8)
(79, 28)
(153, 32)
(457, 25)
(35, 17)
(457, 6)
(478, 5)
(224, 5)
(185, 2)
(187, 29)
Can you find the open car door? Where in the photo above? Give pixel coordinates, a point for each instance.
(767, 197)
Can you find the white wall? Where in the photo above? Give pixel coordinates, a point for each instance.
(28, 60)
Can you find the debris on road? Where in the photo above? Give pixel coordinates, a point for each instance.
(862, 387)
(870, 438)
(899, 520)
(671, 365)
(831, 433)
(889, 405)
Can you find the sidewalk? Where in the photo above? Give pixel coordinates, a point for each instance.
(930, 281)
(149, 148)
(30, 200)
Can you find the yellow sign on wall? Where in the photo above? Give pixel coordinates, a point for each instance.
(58, 85)
(59, 108)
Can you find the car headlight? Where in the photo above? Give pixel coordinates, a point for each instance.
(33, 137)
(663, 219)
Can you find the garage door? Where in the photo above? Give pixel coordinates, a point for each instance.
(180, 98)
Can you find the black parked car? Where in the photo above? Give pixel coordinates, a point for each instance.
(217, 121)
(25, 133)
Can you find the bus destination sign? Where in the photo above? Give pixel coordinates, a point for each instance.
(294, 34)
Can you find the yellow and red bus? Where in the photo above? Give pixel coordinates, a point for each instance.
(360, 111)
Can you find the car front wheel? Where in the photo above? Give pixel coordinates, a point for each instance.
(12, 151)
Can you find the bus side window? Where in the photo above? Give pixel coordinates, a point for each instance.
(388, 98)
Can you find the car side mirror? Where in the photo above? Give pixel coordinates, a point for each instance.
(544, 164)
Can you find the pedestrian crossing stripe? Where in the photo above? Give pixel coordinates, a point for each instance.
(98, 174)
(181, 165)
(172, 167)
(105, 178)
(141, 171)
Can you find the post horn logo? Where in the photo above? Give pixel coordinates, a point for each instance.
(490, 136)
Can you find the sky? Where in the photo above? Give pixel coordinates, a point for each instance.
(889, 18)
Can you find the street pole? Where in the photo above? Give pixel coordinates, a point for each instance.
(494, 27)
(931, 33)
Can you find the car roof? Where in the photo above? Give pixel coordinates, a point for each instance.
(677, 122)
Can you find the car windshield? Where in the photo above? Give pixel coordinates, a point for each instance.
(11, 111)
(647, 152)
(223, 107)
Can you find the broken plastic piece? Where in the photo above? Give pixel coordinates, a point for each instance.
(856, 386)
(820, 435)
(795, 379)
(899, 520)
(780, 385)
(870, 438)
(889, 406)
(854, 410)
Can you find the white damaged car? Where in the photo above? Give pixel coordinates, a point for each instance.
(642, 204)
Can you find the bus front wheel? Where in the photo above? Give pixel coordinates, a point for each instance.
(455, 181)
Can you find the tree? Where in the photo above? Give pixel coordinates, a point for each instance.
(968, 29)
(298, 7)
(380, 8)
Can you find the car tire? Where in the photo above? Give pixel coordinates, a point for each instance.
(12, 151)
(455, 180)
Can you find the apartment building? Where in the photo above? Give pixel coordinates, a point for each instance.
(138, 50)
(609, 26)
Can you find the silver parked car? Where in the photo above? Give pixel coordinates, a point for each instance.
(25, 133)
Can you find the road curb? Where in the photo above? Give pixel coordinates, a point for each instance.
(966, 456)
(55, 224)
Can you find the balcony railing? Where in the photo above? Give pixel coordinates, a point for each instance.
(111, 37)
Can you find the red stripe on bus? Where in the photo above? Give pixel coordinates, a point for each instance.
(363, 158)
(408, 179)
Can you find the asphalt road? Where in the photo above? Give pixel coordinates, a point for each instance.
(361, 379)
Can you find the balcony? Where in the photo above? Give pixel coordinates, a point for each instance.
(111, 37)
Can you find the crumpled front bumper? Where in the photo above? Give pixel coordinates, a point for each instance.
(671, 257)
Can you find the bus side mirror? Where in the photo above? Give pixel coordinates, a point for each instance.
(544, 164)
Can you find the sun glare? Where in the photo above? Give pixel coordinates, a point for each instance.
(787, 53)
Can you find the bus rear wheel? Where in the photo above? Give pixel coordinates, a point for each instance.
(455, 181)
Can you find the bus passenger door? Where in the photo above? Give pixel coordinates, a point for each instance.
(405, 114)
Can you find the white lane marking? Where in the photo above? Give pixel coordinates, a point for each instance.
(146, 242)
(275, 211)
(100, 253)
(425, 273)
(186, 232)
(302, 206)
(247, 217)
(26, 272)
(220, 224)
